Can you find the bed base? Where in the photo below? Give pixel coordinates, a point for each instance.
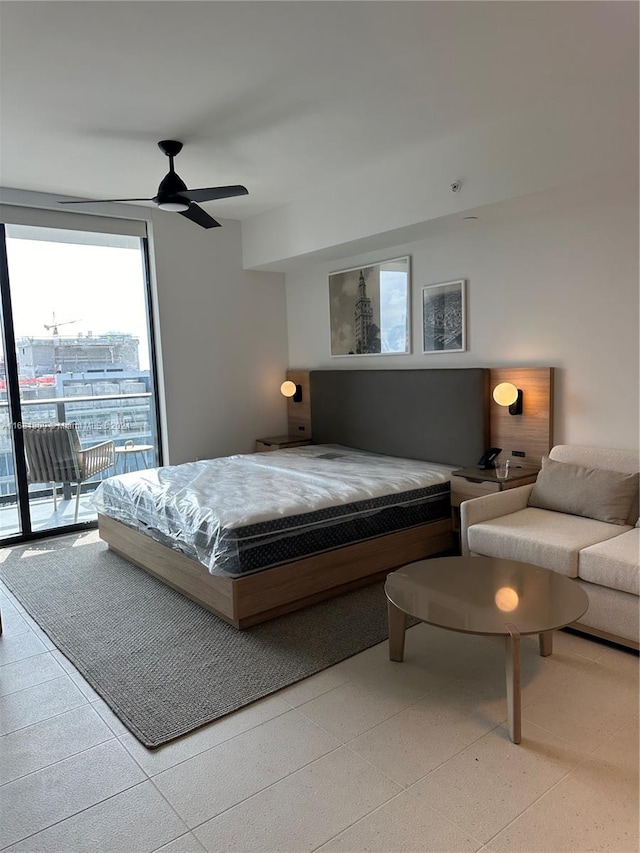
(263, 595)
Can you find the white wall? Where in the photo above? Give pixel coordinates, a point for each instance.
(554, 142)
(556, 288)
(223, 337)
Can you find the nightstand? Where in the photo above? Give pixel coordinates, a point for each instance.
(280, 442)
(467, 483)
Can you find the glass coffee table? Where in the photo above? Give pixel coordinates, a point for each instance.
(485, 595)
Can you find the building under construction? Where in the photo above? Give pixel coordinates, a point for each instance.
(76, 354)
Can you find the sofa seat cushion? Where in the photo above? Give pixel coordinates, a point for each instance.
(614, 563)
(539, 536)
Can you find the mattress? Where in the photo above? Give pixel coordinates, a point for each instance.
(244, 513)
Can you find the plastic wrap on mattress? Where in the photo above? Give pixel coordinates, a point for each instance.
(243, 513)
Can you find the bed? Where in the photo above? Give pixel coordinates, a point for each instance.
(256, 535)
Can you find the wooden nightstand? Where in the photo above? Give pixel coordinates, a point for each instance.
(279, 442)
(467, 483)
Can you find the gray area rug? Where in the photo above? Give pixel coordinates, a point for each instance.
(164, 664)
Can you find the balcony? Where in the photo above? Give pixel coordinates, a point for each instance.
(119, 417)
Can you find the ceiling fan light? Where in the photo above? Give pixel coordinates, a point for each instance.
(174, 206)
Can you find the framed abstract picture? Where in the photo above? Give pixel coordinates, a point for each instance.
(443, 317)
(369, 309)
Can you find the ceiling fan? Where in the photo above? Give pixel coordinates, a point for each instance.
(174, 195)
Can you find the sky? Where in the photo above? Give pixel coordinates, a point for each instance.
(100, 288)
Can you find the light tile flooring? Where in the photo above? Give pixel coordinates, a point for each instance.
(366, 756)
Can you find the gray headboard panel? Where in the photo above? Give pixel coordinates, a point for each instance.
(436, 415)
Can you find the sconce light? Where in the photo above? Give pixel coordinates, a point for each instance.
(290, 389)
(506, 394)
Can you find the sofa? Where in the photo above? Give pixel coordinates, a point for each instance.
(580, 519)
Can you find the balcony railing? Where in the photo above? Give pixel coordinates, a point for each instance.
(117, 417)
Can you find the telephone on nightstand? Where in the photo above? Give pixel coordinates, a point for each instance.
(487, 459)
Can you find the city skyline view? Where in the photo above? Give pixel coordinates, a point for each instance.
(79, 321)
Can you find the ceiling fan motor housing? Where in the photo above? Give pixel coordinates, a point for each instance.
(170, 186)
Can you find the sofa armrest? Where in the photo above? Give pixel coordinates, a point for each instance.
(490, 506)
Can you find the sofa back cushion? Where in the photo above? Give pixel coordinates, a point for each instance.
(590, 492)
(611, 459)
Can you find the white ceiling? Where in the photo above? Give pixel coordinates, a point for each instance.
(288, 98)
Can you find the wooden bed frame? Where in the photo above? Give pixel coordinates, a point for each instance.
(263, 595)
(435, 415)
(382, 411)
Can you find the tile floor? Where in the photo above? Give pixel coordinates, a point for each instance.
(366, 756)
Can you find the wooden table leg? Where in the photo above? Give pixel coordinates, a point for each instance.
(397, 628)
(546, 643)
(512, 661)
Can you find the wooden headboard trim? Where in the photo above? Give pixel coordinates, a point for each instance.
(299, 414)
(531, 432)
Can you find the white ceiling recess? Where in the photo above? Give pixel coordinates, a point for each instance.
(345, 120)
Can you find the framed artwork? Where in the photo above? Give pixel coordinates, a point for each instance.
(443, 317)
(369, 309)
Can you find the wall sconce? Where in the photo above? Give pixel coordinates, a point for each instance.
(290, 389)
(506, 394)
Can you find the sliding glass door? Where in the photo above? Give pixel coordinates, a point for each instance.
(77, 383)
(10, 511)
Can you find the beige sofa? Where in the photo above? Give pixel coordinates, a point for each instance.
(603, 557)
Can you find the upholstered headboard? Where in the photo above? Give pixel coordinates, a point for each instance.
(437, 415)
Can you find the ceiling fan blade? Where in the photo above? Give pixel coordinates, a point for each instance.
(199, 216)
(101, 200)
(213, 193)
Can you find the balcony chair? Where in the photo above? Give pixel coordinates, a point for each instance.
(55, 455)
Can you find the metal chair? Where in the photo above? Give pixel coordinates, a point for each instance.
(55, 455)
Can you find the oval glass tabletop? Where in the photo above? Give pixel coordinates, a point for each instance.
(481, 595)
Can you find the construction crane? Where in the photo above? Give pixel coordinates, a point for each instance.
(53, 326)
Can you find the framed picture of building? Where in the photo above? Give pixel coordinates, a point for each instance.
(443, 317)
(369, 309)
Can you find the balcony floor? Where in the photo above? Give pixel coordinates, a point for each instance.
(43, 516)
